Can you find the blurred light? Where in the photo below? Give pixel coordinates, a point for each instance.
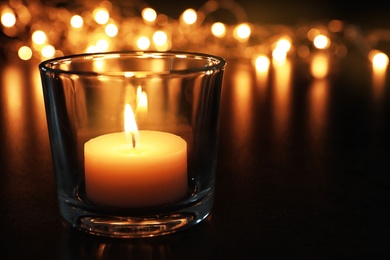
(279, 55)
(303, 52)
(319, 66)
(283, 45)
(379, 60)
(149, 14)
(335, 25)
(242, 32)
(262, 63)
(92, 49)
(8, 19)
(76, 21)
(190, 16)
(160, 38)
(129, 74)
(48, 51)
(101, 15)
(143, 43)
(218, 30)
(321, 42)
(102, 45)
(111, 30)
(312, 33)
(25, 53)
(39, 37)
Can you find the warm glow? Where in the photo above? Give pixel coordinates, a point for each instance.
(312, 33)
(142, 102)
(218, 30)
(143, 42)
(8, 19)
(190, 16)
(149, 14)
(242, 31)
(262, 63)
(111, 30)
(380, 60)
(335, 25)
(319, 66)
(321, 42)
(91, 49)
(101, 15)
(39, 37)
(279, 55)
(130, 125)
(48, 51)
(25, 53)
(102, 45)
(76, 21)
(160, 38)
(129, 74)
(283, 45)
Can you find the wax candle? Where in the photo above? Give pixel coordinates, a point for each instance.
(135, 168)
(152, 173)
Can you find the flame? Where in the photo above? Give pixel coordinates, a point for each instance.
(131, 128)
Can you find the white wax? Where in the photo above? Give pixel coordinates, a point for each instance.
(153, 173)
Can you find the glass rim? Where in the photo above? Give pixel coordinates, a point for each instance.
(218, 63)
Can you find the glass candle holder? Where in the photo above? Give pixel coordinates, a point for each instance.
(133, 137)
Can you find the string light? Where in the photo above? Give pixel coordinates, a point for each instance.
(111, 26)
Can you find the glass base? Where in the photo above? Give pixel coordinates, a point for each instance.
(136, 225)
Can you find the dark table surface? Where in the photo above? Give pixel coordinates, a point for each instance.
(303, 171)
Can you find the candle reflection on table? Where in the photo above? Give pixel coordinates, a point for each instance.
(262, 66)
(243, 102)
(379, 68)
(281, 97)
(318, 99)
(22, 92)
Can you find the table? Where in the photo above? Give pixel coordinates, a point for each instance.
(303, 171)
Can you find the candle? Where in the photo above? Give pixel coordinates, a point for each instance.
(135, 168)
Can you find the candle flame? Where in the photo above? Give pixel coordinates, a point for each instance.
(142, 103)
(131, 128)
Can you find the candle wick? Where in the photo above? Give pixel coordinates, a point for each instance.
(133, 139)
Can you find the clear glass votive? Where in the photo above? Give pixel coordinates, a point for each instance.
(133, 137)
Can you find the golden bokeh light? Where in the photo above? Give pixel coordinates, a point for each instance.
(242, 31)
(39, 37)
(8, 19)
(101, 15)
(143, 43)
(111, 30)
(48, 51)
(189, 16)
(25, 53)
(262, 63)
(76, 21)
(218, 29)
(321, 42)
(149, 14)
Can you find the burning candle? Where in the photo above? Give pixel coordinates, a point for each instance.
(135, 168)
